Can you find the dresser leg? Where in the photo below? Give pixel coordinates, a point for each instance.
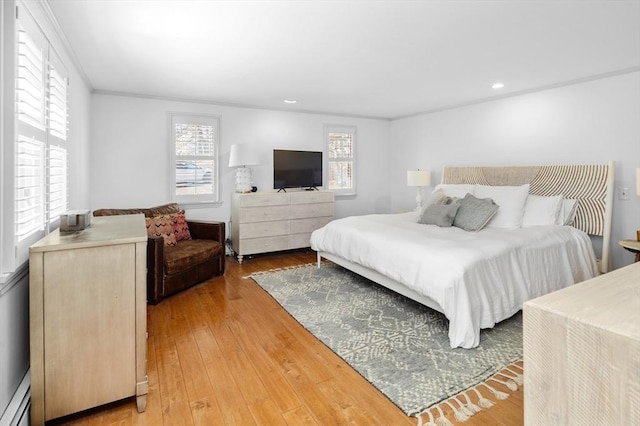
(141, 401)
(240, 258)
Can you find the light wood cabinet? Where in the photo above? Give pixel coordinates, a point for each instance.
(88, 317)
(265, 222)
(582, 353)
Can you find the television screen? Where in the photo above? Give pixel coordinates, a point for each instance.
(296, 169)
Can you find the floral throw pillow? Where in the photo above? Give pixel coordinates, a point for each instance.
(162, 226)
(180, 226)
(171, 227)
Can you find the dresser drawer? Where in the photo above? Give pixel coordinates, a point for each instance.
(264, 229)
(311, 210)
(263, 245)
(257, 200)
(299, 226)
(311, 197)
(263, 214)
(300, 240)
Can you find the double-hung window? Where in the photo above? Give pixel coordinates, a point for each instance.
(194, 158)
(340, 143)
(41, 144)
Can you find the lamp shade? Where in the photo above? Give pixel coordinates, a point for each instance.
(243, 155)
(418, 177)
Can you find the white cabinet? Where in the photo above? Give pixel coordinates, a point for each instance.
(264, 222)
(88, 317)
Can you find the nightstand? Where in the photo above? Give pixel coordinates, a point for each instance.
(633, 246)
(581, 347)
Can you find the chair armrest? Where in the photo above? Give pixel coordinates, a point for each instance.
(200, 230)
(155, 269)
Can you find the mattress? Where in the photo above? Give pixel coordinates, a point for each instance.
(475, 278)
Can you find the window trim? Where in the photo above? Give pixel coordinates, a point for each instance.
(194, 201)
(341, 128)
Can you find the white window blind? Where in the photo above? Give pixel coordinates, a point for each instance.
(31, 79)
(57, 182)
(29, 187)
(194, 153)
(41, 145)
(341, 159)
(57, 102)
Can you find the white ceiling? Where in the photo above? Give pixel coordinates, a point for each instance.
(384, 59)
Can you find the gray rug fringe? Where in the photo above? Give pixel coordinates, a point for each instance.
(463, 411)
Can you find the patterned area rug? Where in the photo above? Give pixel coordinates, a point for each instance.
(398, 345)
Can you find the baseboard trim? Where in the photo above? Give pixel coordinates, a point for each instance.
(17, 412)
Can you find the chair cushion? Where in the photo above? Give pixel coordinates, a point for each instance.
(187, 253)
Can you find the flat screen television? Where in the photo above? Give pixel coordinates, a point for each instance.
(297, 169)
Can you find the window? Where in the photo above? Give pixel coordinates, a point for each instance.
(41, 144)
(194, 158)
(341, 159)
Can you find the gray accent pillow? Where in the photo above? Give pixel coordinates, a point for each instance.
(474, 213)
(440, 214)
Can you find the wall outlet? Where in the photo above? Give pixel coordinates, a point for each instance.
(623, 193)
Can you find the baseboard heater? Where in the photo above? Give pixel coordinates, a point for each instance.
(17, 412)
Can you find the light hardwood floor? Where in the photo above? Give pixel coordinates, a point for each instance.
(225, 353)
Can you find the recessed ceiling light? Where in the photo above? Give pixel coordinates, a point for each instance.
(290, 101)
(497, 86)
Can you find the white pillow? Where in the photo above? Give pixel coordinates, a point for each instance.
(435, 197)
(455, 190)
(567, 212)
(541, 210)
(511, 200)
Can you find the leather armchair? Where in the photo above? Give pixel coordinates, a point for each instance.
(189, 262)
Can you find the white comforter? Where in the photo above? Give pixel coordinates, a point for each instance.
(477, 278)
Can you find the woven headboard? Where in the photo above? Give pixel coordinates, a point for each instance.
(591, 185)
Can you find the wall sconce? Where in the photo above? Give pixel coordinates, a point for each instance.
(418, 178)
(241, 156)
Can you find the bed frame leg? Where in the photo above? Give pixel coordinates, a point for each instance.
(319, 259)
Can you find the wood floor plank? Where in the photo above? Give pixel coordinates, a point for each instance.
(299, 416)
(173, 393)
(266, 412)
(206, 411)
(227, 391)
(197, 383)
(225, 353)
(277, 387)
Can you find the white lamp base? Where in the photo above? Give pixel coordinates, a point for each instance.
(419, 198)
(243, 179)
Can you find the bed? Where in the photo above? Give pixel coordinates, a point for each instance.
(477, 279)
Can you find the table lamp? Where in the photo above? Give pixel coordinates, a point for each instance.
(241, 156)
(419, 178)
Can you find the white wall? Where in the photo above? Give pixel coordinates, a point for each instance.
(130, 152)
(590, 122)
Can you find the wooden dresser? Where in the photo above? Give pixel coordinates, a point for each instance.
(582, 353)
(263, 222)
(88, 317)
